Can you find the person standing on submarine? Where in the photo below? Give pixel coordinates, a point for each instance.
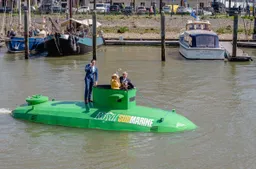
(90, 80)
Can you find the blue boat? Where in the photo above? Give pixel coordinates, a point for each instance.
(17, 44)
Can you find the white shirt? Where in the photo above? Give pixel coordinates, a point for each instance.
(93, 69)
(124, 79)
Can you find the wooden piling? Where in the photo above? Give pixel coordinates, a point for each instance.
(162, 36)
(94, 31)
(235, 28)
(26, 34)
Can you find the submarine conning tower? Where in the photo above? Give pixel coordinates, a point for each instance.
(105, 97)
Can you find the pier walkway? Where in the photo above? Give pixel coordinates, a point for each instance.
(240, 54)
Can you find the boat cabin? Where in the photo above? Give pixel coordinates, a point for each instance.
(202, 39)
(105, 97)
(198, 25)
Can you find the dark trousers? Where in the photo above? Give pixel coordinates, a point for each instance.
(88, 88)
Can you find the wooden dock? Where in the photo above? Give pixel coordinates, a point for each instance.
(141, 42)
(168, 42)
(240, 54)
(247, 44)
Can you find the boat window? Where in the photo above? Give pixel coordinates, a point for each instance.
(206, 27)
(191, 27)
(190, 41)
(205, 41)
(198, 26)
(186, 38)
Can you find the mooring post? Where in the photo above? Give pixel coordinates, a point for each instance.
(26, 33)
(235, 27)
(94, 27)
(162, 36)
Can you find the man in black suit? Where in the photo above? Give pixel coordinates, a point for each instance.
(125, 82)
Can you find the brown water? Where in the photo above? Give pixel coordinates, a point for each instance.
(218, 96)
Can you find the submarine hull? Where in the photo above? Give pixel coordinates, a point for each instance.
(78, 114)
(111, 110)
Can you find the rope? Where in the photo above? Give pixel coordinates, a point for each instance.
(57, 45)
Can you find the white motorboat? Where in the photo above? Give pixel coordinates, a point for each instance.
(200, 42)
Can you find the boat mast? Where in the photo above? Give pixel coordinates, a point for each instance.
(196, 8)
(29, 13)
(19, 15)
(3, 22)
(70, 13)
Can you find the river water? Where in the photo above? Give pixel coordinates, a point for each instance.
(218, 96)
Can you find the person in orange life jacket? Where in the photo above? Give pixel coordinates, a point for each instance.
(90, 80)
(125, 82)
(115, 84)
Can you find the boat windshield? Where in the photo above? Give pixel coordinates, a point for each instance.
(206, 41)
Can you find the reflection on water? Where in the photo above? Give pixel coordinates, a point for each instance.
(217, 96)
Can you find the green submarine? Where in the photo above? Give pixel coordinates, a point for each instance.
(110, 110)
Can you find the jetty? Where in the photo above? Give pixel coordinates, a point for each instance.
(240, 54)
(168, 42)
(140, 42)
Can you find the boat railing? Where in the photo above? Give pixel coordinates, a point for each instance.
(198, 26)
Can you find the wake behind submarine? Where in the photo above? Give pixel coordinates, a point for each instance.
(110, 110)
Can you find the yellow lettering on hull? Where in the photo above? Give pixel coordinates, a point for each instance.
(135, 120)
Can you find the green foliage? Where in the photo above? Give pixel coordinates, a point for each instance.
(123, 29)
(221, 16)
(248, 17)
(240, 30)
(203, 17)
(224, 30)
(229, 30)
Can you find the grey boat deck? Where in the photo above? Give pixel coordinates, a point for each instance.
(229, 47)
(240, 54)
